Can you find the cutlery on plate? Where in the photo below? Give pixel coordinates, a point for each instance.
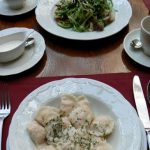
(141, 106)
(29, 41)
(136, 44)
(5, 109)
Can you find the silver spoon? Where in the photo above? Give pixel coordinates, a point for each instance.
(148, 92)
(136, 44)
(29, 41)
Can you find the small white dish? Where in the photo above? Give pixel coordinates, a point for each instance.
(6, 11)
(12, 46)
(31, 56)
(103, 100)
(45, 17)
(137, 55)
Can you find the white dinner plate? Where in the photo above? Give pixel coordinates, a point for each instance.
(137, 55)
(30, 57)
(104, 100)
(45, 17)
(6, 11)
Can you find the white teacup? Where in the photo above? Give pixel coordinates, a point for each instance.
(145, 35)
(15, 4)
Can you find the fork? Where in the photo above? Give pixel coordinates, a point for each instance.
(5, 109)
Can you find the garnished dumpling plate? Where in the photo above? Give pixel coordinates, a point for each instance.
(103, 99)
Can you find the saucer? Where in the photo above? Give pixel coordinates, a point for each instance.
(30, 57)
(6, 11)
(137, 55)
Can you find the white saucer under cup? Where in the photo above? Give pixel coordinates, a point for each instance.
(136, 55)
(145, 35)
(30, 57)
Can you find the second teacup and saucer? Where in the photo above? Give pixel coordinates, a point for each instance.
(138, 55)
(6, 10)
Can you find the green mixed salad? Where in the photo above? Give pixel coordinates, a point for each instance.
(84, 15)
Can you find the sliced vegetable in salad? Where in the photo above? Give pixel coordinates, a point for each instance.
(84, 15)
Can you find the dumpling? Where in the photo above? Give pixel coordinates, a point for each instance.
(68, 102)
(104, 146)
(37, 132)
(102, 126)
(81, 116)
(66, 122)
(45, 114)
(77, 147)
(53, 130)
(46, 147)
(95, 141)
(82, 100)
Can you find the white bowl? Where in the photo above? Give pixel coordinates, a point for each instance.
(12, 46)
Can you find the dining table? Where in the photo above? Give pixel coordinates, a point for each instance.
(103, 59)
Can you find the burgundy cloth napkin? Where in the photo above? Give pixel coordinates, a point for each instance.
(21, 88)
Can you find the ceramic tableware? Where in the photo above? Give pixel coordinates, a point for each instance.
(136, 55)
(45, 17)
(145, 35)
(31, 56)
(103, 100)
(12, 45)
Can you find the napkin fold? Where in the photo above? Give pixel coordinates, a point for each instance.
(19, 89)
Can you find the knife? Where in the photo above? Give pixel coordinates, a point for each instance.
(141, 106)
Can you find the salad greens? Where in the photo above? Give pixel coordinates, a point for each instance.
(84, 15)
